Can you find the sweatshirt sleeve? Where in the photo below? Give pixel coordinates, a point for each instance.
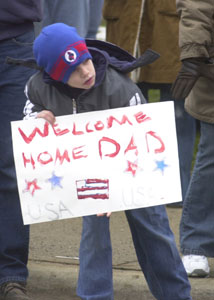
(196, 27)
(31, 109)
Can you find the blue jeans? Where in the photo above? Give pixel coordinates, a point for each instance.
(185, 127)
(197, 222)
(94, 18)
(14, 236)
(85, 15)
(156, 252)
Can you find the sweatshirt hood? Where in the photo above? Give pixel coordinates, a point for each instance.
(103, 54)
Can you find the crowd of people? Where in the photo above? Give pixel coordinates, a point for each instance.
(182, 32)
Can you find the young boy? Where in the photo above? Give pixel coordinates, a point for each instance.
(76, 78)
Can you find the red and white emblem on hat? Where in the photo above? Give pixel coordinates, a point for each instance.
(70, 56)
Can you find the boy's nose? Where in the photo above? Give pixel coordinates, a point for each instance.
(84, 71)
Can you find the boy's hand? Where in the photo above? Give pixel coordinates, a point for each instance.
(104, 214)
(47, 115)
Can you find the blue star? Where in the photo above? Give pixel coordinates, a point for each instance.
(160, 165)
(55, 181)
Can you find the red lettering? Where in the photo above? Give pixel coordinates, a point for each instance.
(99, 125)
(76, 155)
(117, 146)
(141, 117)
(111, 119)
(31, 160)
(42, 161)
(58, 131)
(32, 135)
(75, 132)
(153, 134)
(87, 129)
(62, 157)
(132, 146)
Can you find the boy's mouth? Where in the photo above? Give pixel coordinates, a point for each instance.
(89, 81)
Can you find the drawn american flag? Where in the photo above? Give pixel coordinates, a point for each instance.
(93, 188)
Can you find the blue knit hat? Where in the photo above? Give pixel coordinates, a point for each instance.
(59, 50)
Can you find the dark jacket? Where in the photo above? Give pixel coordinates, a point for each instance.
(196, 39)
(17, 17)
(112, 89)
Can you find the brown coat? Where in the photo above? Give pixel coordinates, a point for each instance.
(196, 39)
(136, 25)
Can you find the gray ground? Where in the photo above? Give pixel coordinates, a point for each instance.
(54, 261)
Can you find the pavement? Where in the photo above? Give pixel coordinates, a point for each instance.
(53, 261)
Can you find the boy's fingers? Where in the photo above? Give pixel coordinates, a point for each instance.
(47, 115)
(104, 214)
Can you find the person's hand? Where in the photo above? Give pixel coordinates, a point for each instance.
(189, 73)
(104, 214)
(47, 115)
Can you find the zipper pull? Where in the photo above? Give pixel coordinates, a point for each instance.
(74, 106)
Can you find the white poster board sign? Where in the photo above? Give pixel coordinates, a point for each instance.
(97, 162)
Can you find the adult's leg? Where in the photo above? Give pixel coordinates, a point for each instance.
(185, 128)
(14, 236)
(95, 17)
(186, 134)
(145, 87)
(197, 226)
(95, 272)
(157, 253)
(71, 12)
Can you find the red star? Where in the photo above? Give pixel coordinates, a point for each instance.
(132, 167)
(31, 186)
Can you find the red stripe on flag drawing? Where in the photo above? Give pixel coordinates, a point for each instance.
(92, 188)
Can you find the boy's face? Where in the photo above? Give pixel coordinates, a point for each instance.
(84, 76)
